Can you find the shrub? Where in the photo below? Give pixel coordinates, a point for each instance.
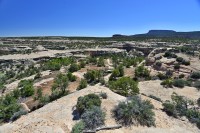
(181, 76)
(198, 102)
(8, 106)
(124, 86)
(78, 127)
(93, 76)
(74, 67)
(179, 59)
(167, 83)
(71, 77)
(82, 64)
(179, 107)
(187, 63)
(179, 83)
(169, 108)
(27, 88)
(142, 72)
(93, 118)
(135, 112)
(155, 98)
(169, 73)
(16, 93)
(115, 74)
(100, 62)
(44, 100)
(195, 75)
(60, 83)
(82, 85)
(159, 64)
(103, 95)
(87, 102)
(18, 115)
(39, 93)
(197, 84)
(162, 76)
(176, 66)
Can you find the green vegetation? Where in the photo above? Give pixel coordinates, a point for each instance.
(103, 95)
(87, 102)
(71, 77)
(82, 64)
(168, 83)
(93, 118)
(82, 85)
(177, 66)
(169, 54)
(56, 64)
(124, 86)
(195, 75)
(78, 127)
(142, 72)
(27, 88)
(8, 106)
(93, 76)
(179, 59)
(158, 64)
(100, 62)
(74, 67)
(179, 83)
(60, 84)
(135, 112)
(180, 107)
(155, 98)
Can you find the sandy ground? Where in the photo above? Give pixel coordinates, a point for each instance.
(154, 88)
(56, 117)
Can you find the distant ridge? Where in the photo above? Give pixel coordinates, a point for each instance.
(166, 33)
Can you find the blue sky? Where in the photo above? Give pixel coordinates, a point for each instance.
(96, 17)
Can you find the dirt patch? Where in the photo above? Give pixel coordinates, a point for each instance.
(154, 88)
(129, 72)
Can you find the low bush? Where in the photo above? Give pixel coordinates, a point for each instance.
(142, 72)
(93, 118)
(176, 66)
(103, 95)
(71, 77)
(87, 102)
(124, 86)
(135, 112)
(179, 83)
(179, 59)
(195, 75)
(186, 63)
(78, 127)
(168, 83)
(197, 84)
(159, 64)
(82, 85)
(27, 88)
(179, 107)
(155, 98)
(18, 115)
(74, 67)
(162, 76)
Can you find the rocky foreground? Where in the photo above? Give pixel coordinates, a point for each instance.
(57, 117)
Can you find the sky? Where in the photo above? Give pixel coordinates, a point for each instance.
(96, 17)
